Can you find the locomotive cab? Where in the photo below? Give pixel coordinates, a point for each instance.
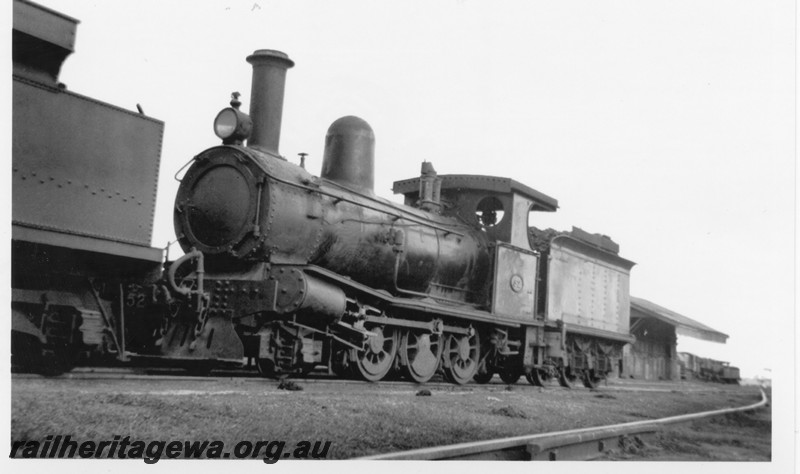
(499, 207)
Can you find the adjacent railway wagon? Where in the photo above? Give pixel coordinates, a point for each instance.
(84, 189)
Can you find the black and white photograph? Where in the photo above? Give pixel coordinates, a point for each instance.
(261, 232)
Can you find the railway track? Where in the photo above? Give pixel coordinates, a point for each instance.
(570, 445)
(321, 378)
(253, 378)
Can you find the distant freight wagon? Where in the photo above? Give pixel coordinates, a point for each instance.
(701, 368)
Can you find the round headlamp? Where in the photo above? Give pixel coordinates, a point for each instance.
(232, 126)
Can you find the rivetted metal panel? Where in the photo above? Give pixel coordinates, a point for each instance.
(46, 24)
(515, 283)
(79, 242)
(83, 167)
(588, 287)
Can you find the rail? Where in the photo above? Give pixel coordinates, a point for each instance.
(579, 444)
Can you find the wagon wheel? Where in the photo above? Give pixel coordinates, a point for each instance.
(461, 357)
(537, 377)
(266, 368)
(56, 359)
(566, 377)
(510, 375)
(377, 359)
(419, 355)
(590, 380)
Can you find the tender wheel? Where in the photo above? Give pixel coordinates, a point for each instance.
(419, 355)
(377, 360)
(590, 380)
(461, 357)
(536, 377)
(510, 375)
(566, 377)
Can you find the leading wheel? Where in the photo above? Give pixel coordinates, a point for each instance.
(566, 377)
(461, 357)
(419, 355)
(340, 360)
(377, 359)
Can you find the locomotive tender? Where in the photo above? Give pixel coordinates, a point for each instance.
(294, 270)
(282, 267)
(84, 188)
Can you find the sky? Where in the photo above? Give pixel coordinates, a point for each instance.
(667, 125)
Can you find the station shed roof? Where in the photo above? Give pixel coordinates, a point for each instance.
(684, 325)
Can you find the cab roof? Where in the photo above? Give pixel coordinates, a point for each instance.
(541, 201)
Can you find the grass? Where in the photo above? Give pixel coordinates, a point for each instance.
(358, 419)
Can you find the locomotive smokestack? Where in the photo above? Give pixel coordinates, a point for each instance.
(266, 98)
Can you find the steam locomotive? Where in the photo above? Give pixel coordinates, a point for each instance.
(293, 271)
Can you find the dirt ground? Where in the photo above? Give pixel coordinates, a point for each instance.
(735, 437)
(358, 418)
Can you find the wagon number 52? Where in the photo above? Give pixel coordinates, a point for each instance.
(135, 299)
